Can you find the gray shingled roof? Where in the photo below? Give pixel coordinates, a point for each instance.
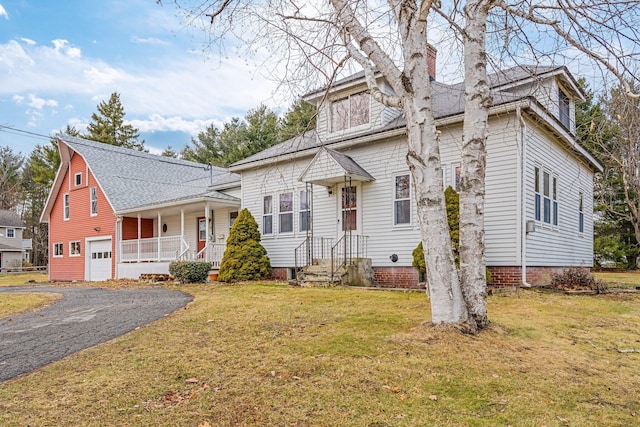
(448, 100)
(10, 219)
(133, 179)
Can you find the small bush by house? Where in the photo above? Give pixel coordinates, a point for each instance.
(245, 258)
(575, 279)
(190, 271)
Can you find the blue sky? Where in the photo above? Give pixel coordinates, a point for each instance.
(59, 59)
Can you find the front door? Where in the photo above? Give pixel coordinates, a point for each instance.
(348, 213)
(202, 233)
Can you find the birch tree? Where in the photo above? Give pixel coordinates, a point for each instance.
(317, 41)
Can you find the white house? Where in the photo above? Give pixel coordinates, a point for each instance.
(11, 243)
(343, 191)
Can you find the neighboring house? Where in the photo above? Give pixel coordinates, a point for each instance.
(118, 213)
(11, 242)
(343, 192)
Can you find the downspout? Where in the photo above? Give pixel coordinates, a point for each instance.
(523, 199)
(118, 244)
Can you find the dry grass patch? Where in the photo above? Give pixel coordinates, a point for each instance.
(15, 279)
(627, 279)
(275, 355)
(14, 303)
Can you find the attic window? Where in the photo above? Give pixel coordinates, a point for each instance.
(563, 108)
(78, 178)
(350, 112)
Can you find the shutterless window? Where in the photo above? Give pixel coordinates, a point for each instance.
(402, 200)
(537, 193)
(350, 112)
(232, 218)
(58, 249)
(564, 108)
(554, 199)
(66, 206)
(94, 201)
(11, 233)
(78, 179)
(74, 248)
(457, 171)
(286, 213)
(580, 213)
(305, 212)
(267, 215)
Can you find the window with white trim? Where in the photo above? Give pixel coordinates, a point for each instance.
(58, 250)
(546, 197)
(66, 206)
(285, 210)
(11, 233)
(78, 179)
(74, 248)
(267, 215)
(402, 200)
(232, 218)
(94, 201)
(457, 171)
(564, 108)
(580, 212)
(350, 112)
(304, 220)
(349, 208)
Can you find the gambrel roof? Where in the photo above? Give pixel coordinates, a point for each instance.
(132, 179)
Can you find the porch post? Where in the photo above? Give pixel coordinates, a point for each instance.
(139, 236)
(181, 227)
(206, 220)
(159, 233)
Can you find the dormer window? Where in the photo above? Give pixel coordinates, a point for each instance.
(564, 109)
(350, 112)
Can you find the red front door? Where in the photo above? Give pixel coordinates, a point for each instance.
(202, 233)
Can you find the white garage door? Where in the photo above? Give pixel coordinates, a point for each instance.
(100, 260)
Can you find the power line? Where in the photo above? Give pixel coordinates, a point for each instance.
(22, 132)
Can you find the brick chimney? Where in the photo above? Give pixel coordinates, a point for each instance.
(431, 61)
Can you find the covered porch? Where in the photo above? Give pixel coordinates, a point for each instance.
(147, 241)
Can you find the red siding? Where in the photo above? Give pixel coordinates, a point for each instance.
(80, 224)
(130, 228)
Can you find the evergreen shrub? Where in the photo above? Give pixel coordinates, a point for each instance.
(190, 271)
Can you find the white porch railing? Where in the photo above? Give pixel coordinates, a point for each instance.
(212, 252)
(151, 249)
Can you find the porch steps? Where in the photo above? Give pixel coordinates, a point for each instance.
(318, 275)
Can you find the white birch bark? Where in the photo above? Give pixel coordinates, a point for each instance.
(413, 93)
(472, 182)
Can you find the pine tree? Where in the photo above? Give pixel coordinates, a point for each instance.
(108, 125)
(300, 118)
(245, 258)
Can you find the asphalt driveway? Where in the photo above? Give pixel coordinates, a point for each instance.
(83, 318)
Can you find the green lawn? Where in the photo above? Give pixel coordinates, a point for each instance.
(276, 355)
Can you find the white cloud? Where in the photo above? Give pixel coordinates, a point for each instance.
(63, 46)
(28, 41)
(34, 101)
(3, 12)
(158, 123)
(149, 40)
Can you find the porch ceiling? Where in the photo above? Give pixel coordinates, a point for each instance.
(330, 167)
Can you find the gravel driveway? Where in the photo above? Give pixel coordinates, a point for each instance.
(83, 318)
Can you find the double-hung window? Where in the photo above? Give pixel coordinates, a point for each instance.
(564, 109)
(94, 201)
(11, 233)
(285, 219)
(305, 212)
(402, 200)
(74, 248)
(580, 212)
(350, 112)
(58, 250)
(267, 215)
(546, 197)
(66, 206)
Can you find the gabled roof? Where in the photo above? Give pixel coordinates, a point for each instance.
(133, 179)
(10, 219)
(330, 167)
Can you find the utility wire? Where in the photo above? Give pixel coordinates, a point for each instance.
(21, 132)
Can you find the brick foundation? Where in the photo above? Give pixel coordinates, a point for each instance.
(512, 276)
(396, 277)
